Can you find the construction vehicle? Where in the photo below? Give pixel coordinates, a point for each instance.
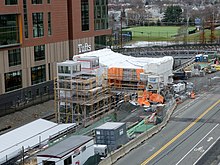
(210, 69)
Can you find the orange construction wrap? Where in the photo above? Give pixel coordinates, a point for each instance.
(138, 71)
(142, 101)
(146, 94)
(146, 103)
(156, 98)
(115, 73)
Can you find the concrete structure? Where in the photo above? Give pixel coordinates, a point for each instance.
(73, 150)
(35, 35)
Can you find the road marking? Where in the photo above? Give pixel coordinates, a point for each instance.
(209, 139)
(197, 144)
(179, 135)
(200, 149)
(206, 151)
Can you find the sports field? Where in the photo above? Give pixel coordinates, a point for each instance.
(154, 33)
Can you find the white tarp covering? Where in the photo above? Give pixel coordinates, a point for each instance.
(29, 135)
(108, 58)
(112, 59)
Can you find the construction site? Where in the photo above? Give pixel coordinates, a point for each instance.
(104, 90)
(93, 85)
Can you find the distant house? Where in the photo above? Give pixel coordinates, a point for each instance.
(75, 150)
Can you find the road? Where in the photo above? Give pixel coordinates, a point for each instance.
(192, 130)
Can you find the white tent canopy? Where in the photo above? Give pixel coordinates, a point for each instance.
(112, 59)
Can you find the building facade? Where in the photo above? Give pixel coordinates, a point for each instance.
(36, 34)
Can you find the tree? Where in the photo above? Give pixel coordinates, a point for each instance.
(137, 15)
(173, 15)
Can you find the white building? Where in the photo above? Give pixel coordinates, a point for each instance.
(73, 150)
(32, 135)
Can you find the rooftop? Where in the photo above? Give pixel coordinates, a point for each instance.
(112, 59)
(27, 136)
(110, 125)
(64, 147)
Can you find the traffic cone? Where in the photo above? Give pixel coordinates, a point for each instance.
(192, 95)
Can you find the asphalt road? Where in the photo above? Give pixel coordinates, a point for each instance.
(191, 131)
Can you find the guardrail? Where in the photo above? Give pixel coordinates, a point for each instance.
(114, 156)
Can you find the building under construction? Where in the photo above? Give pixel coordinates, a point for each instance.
(89, 86)
(81, 96)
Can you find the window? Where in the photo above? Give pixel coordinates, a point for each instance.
(37, 1)
(83, 148)
(100, 42)
(25, 19)
(13, 80)
(38, 74)
(76, 68)
(48, 1)
(9, 30)
(64, 69)
(101, 14)
(38, 24)
(85, 15)
(49, 24)
(76, 153)
(48, 162)
(11, 2)
(14, 57)
(121, 131)
(68, 161)
(39, 52)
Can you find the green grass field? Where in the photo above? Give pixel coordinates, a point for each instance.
(165, 33)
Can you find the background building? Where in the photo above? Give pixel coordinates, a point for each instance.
(35, 35)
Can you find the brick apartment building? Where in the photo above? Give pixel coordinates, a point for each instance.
(36, 34)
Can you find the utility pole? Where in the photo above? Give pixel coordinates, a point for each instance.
(212, 28)
(121, 31)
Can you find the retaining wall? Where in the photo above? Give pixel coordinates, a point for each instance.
(114, 156)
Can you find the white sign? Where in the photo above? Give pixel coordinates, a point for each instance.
(84, 48)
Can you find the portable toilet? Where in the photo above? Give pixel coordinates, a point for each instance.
(198, 58)
(205, 58)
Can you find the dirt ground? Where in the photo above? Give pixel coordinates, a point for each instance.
(25, 116)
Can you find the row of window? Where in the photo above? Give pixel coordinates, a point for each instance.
(100, 14)
(14, 55)
(9, 29)
(15, 2)
(38, 24)
(13, 80)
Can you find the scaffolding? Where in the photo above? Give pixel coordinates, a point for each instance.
(81, 100)
(82, 93)
(125, 80)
